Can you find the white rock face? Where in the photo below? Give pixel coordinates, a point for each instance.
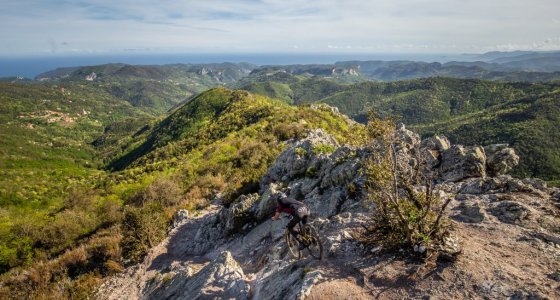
(501, 159)
(221, 279)
(459, 163)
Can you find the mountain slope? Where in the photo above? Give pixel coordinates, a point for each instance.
(48, 165)
(158, 87)
(530, 69)
(219, 143)
(57, 123)
(508, 224)
(529, 124)
(440, 105)
(219, 113)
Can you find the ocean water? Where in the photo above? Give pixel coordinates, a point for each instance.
(30, 67)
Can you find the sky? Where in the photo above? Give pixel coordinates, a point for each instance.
(53, 27)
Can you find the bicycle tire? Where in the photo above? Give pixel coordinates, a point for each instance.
(315, 247)
(292, 244)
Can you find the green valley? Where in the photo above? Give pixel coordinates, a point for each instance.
(220, 142)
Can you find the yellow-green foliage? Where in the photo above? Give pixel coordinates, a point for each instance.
(323, 149)
(237, 143)
(73, 275)
(300, 151)
(220, 143)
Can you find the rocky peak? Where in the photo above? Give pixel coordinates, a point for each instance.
(510, 224)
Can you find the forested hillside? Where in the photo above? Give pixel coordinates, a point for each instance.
(219, 143)
(454, 107)
(156, 87)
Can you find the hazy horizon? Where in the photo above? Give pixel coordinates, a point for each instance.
(31, 66)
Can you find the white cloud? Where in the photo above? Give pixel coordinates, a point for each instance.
(274, 25)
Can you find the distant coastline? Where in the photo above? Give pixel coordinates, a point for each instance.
(31, 66)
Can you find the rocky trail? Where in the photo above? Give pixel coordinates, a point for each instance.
(507, 231)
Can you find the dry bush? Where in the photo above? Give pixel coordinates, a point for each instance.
(110, 212)
(165, 191)
(74, 261)
(286, 131)
(403, 218)
(78, 198)
(197, 197)
(73, 275)
(113, 267)
(214, 182)
(83, 287)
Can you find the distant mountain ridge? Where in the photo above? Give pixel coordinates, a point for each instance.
(223, 71)
(158, 87)
(534, 70)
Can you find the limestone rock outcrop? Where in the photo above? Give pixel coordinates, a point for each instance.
(238, 252)
(223, 278)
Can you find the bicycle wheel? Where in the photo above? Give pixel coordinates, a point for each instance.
(293, 245)
(313, 244)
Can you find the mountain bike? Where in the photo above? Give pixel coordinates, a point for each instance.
(308, 237)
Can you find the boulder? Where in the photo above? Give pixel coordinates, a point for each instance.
(279, 280)
(309, 280)
(406, 146)
(304, 186)
(406, 139)
(239, 213)
(509, 212)
(437, 142)
(556, 195)
(460, 162)
(326, 204)
(221, 279)
(341, 169)
(536, 183)
(300, 159)
(180, 217)
(525, 185)
(469, 212)
(500, 159)
(203, 235)
(325, 107)
(265, 207)
(431, 150)
(450, 248)
(486, 185)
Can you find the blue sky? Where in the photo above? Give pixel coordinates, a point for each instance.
(272, 26)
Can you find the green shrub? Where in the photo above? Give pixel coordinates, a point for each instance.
(286, 131)
(403, 218)
(300, 151)
(311, 172)
(142, 228)
(323, 149)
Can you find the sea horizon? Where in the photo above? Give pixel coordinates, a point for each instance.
(31, 66)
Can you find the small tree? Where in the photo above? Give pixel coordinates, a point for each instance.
(142, 228)
(404, 217)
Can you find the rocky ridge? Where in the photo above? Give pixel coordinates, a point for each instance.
(507, 229)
